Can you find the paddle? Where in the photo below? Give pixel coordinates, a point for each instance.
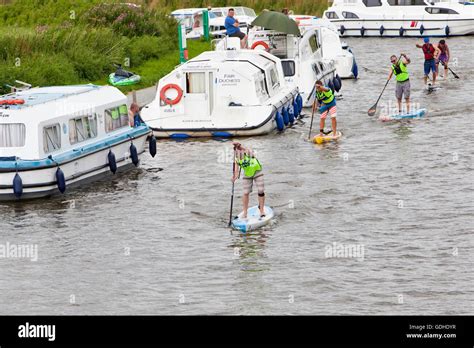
(232, 196)
(454, 74)
(372, 110)
(312, 117)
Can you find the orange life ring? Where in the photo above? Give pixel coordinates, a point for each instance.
(168, 100)
(12, 102)
(260, 43)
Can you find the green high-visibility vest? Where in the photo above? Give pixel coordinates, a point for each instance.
(250, 165)
(400, 71)
(325, 97)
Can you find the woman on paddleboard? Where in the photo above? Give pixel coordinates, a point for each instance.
(399, 68)
(246, 160)
(327, 104)
(431, 53)
(443, 57)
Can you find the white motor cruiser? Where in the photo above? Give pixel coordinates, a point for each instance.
(53, 138)
(402, 17)
(222, 94)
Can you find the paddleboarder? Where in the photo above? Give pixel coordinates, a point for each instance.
(443, 57)
(326, 103)
(399, 68)
(431, 53)
(246, 160)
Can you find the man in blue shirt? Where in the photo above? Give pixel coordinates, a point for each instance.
(233, 30)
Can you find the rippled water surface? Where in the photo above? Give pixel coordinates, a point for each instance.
(155, 240)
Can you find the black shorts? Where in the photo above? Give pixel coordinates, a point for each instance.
(238, 34)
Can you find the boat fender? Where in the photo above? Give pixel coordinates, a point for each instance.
(299, 101)
(286, 117)
(446, 30)
(362, 31)
(60, 180)
(134, 154)
(422, 29)
(381, 30)
(279, 121)
(112, 162)
(330, 85)
(152, 146)
(401, 31)
(355, 69)
(342, 30)
(260, 43)
(167, 100)
(291, 113)
(340, 80)
(296, 109)
(336, 84)
(17, 186)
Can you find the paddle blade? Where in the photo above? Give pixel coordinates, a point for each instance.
(372, 110)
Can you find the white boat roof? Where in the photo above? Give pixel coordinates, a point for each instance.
(258, 58)
(187, 11)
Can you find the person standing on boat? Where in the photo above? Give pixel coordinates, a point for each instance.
(134, 115)
(233, 30)
(443, 57)
(399, 68)
(326, 103)
(431, 53)
(246, 160)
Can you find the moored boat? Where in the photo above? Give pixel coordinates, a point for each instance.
(388, 18)
(54, 138)
(223, 93)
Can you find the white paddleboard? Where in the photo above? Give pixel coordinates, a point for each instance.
(253, 220)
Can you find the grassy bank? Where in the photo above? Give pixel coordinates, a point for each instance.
(46, 42)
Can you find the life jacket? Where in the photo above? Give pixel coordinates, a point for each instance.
(325, 97)
(428, 50)
(400, 71)
(250, 165)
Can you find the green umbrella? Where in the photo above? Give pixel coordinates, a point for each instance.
(277, 21)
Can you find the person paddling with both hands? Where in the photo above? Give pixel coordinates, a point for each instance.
(327, 104)
(246, 160)
(431, 54)
(399, 68)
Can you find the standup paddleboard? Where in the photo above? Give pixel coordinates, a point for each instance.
(419, 113)
(430, 88)
(318, 139)
(253, 220)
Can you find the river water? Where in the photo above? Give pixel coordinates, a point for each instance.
(155, 240)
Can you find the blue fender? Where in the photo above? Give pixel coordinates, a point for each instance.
(362, 31)
(381, 30)
(330, 85)
(152, 145)
(286, 117)
(355, 69)
(336, 84)
(342, 29)
(60, 180)
(291, 113)
(401, 31)
(112, 162)
(446, 30)
(296, 109)
(17, 186)
(340, 81)
(422, 29)
(299, 101)
(279, 121)
(134, 154)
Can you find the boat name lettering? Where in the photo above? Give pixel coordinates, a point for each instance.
(4, 115)
(229, 79)
(169, 110)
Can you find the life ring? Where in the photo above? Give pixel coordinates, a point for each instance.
(168, 100)
(12, 102)
(260, 43)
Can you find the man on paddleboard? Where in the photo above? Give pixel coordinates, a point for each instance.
(247, 161)
(431, 53)
(327, 104)
(399, 68)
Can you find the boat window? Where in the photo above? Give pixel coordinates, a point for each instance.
(440, 10)
(51, 138)
(196, 82)
(260, 85)
(273, 77)
(349, 15)
(331, 15)
(249, 12)
(82, 128)
(12, 135)
(313, 42)
(116, 117)
(289, 67)
(372, 3)
(406, 2)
